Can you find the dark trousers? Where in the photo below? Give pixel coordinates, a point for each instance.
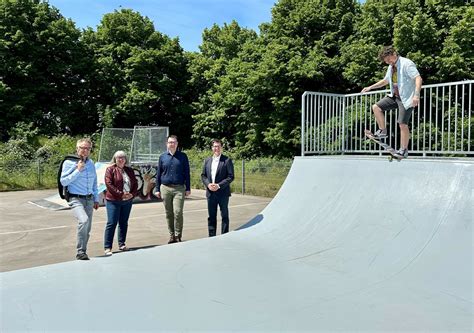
(212, 202)
(117, 212)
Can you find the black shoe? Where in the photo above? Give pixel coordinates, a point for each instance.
(380, 134)
(402, 153)
(178, 238)
(82, 256)
(172, 240)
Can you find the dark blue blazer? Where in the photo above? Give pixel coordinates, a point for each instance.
(224, 175)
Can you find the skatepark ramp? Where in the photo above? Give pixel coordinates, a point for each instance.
(348, 244)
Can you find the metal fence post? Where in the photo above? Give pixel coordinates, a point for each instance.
(39, 171)
(243, 176)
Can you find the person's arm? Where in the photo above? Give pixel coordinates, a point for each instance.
(133, 182)
(95, 191)
(416, 99)
(156, 191)
(109, 183)
(187, 175)
(69, 172)
(204, 177)
(379, 84)
(230, 175)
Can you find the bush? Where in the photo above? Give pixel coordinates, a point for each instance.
(263, 176)
(24, 166)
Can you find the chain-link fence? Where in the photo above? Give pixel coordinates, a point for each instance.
(141, 143)
(252, 177)
(27, 174)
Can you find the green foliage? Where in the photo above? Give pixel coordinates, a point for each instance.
(42, 65)
(263, 176)
(242, 87)
(219, 103)
(141, 75)
(25, 131)
(449, 133)
(457, 56)
(54, 149)
(28, 162)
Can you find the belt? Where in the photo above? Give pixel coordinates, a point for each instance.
(87, 196)
(173, 185)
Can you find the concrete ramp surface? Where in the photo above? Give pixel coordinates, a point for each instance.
(348, 244)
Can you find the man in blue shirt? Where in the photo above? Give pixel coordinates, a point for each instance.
(81, 179)
(173, 184)
(405, 84)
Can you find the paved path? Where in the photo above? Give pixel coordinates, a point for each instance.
(348, 244)
(32, 236)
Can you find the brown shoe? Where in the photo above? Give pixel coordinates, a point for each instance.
(172, 240)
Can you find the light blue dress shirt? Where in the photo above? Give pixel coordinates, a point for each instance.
(80, 182)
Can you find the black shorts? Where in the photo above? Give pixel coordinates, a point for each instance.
(391, 103)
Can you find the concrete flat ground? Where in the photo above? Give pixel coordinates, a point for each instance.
(32, 236)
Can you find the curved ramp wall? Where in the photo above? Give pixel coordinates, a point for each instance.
(347, 244)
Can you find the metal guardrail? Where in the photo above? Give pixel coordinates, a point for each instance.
(441, 125)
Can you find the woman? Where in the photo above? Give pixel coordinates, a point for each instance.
(121, 188)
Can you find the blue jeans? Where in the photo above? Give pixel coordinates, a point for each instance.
(212, 202)
(117, 212)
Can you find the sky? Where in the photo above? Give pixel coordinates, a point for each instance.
(185, 19)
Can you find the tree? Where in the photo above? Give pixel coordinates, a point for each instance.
(456, 59)
(141, 75)
(215, 114)
(42, 67)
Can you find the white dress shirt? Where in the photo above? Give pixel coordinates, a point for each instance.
(214, 165)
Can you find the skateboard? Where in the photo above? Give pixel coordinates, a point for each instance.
(393, 153)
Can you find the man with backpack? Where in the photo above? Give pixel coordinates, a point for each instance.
(81, 180)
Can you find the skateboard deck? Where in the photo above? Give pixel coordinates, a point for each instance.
(393, 153)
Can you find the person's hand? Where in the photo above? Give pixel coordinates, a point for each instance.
(127, 196)
(213, 187)
(96, 205)
(416, 101)
(366, 89)
(81, 165)
(157, 194)
(187, 193)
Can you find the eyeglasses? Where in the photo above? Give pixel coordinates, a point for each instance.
(85, 148)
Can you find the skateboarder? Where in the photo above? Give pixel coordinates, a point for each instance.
(405, 84)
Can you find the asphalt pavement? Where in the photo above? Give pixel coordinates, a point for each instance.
(32, 236)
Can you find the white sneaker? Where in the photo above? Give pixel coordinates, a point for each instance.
(108, 252)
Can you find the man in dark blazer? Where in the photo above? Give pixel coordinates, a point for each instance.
(217, 174)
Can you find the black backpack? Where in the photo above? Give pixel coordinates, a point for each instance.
(63, 193)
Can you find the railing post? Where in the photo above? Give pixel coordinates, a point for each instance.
(243, 176)
(303, 116)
